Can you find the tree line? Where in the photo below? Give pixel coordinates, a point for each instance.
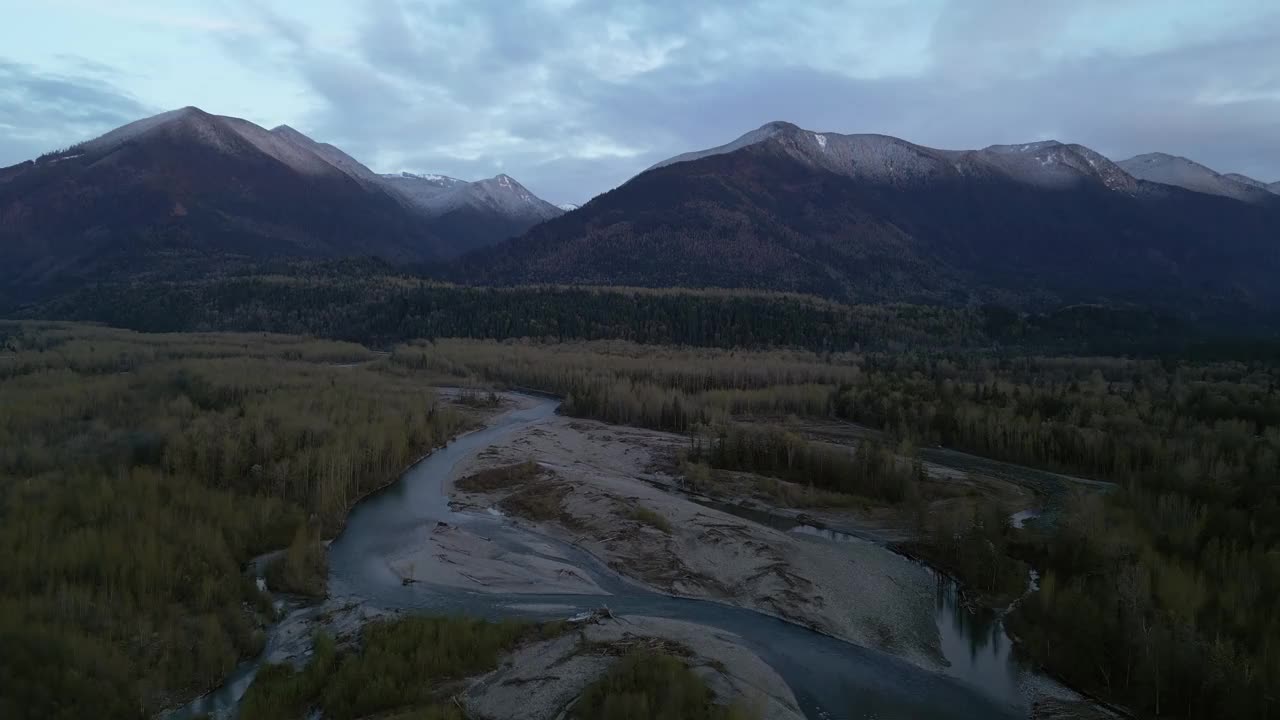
(1155, 594)
(139, 473)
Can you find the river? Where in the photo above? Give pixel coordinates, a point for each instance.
(830, 678)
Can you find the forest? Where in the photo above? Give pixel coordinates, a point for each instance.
(1156, 594)
(379, 306)
(138, 473)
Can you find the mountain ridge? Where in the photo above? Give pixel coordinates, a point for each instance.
(186, 191)
(1183, 172)
(875, 218)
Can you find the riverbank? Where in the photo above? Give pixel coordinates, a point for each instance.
(604, 497)
(607, 482)
(612, 494)
(540, 680)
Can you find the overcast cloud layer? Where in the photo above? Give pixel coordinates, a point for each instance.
(573, 97)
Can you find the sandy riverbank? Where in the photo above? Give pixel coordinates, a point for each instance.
(603, 475)
(455, 556)
(540, 680)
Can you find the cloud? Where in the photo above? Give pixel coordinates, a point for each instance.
(575, 97)
(40, 110)
(572, 97)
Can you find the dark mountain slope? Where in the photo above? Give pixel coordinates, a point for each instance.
(872, 218)
(188, 190)
(485, 212)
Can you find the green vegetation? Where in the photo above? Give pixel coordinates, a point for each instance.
(538, 503)
(645, 685)
(138, 474)
(370, 305)
(373, 304)
(695, 391)
(1155, 594)
(401, 666)
(645, 516)
(499, 478)
(871, 470)
(302, 568)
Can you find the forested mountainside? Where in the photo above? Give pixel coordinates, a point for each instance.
(371, 303)
(187, 192)
(873, 219)
(190, 194)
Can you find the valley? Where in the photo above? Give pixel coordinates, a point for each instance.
(802, 425)
(403, 528)
(718, 507)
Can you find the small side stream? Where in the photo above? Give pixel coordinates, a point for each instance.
(831, 678)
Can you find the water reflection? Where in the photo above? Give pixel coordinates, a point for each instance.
(974, 643)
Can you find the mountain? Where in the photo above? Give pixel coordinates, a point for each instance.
(418, 189)
(472, 214)
(1245, 180)
(876, 218)
(1184, 173)
(568, 207)
(189, 192)
(464, 215)
(329, 154)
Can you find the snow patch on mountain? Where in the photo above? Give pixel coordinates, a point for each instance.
(501, 194)
(890, 160)
(1190, 175)
(418, 190)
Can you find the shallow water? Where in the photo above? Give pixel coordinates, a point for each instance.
(830, 678)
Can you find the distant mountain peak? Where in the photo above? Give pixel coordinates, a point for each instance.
(1245, 179)
(476, 213)
(884, 159)
(1031, 147)
(1166, 169)
(781, 126)
(506, 182)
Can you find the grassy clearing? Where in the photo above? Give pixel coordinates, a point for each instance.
(500, 478)
(405, 667)
(644, 685)
(651, 518)
(540, 503)
(788, 494)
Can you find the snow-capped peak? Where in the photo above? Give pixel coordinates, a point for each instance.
(568, 207)
(1190, 175)
(1025, 148)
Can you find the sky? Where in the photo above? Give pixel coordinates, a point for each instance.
(573, 97)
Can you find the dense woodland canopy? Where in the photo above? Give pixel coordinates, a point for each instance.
(378, 306)
(139, 473)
